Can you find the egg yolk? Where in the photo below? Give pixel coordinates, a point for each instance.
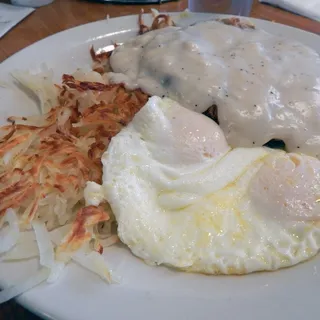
(287, 187)
(180, 136)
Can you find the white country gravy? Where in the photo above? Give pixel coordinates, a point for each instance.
(265, 87)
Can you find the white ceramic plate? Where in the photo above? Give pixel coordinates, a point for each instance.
(150, 292)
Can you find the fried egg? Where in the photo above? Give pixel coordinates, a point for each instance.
(183, 198)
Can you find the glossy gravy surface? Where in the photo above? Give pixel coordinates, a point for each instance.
(265, 87)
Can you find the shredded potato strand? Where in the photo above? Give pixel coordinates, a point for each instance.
(79, 234)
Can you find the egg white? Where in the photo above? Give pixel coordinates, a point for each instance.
(183, 198)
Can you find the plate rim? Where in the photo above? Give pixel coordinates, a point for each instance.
(175, 13)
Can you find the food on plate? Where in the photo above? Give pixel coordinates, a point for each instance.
(46, 160)
(101, 59)
(160, 21)
(264, 86)
(182, 197)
